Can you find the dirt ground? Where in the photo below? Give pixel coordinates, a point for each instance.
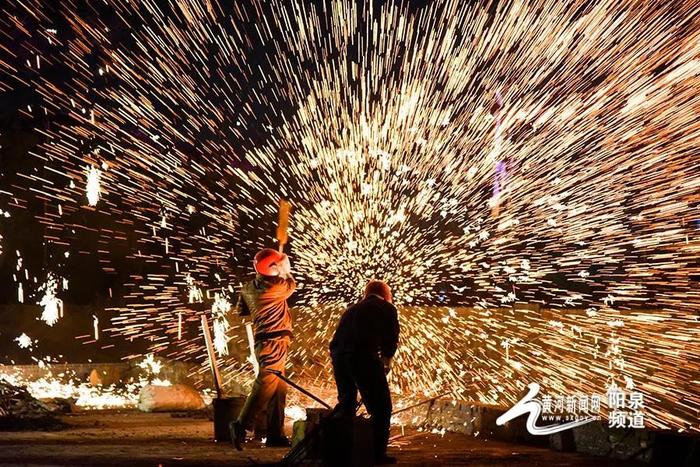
(134, 439)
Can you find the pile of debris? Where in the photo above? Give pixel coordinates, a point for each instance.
(19, 410)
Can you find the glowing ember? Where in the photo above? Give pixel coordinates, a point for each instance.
(24, 341)
(96, 327)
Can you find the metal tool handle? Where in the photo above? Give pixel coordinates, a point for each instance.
(297, 387)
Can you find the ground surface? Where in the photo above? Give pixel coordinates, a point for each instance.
(136, 439)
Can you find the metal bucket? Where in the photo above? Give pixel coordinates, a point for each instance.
(226, 410)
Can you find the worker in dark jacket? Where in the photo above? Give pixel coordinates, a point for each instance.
(363, 345)
(265, 299)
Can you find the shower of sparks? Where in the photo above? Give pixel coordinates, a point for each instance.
(561, 221)
(52, 305)
(194, 292)
(151, 365)
(92, 188)
(219, 311)
(68, 385)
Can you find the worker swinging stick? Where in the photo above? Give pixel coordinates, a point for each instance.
(264, 298)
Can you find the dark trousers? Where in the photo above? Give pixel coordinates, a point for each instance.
(365, 374)
(268, 390)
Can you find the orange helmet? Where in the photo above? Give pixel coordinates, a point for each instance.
(269, 262)
(380, 288)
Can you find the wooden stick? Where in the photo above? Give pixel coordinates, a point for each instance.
(251, 347)
(212, 356)
(283, 223)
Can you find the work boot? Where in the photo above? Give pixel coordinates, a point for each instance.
(385, 460)
(237, 435)
(281, 442)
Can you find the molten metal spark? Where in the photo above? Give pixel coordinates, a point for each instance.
(219, 311)
(92, 187)
(24, 341)
(52, 305)
(67, 385)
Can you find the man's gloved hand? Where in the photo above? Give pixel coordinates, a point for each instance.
(386, 361)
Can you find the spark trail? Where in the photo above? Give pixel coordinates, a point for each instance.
(377, 124)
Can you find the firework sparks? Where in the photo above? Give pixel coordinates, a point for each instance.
(194, 292)
(219, 311)
(52, 305)
(67, 385)
(24, 341)
(151, 365)
(92, 187)
(556, 224)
